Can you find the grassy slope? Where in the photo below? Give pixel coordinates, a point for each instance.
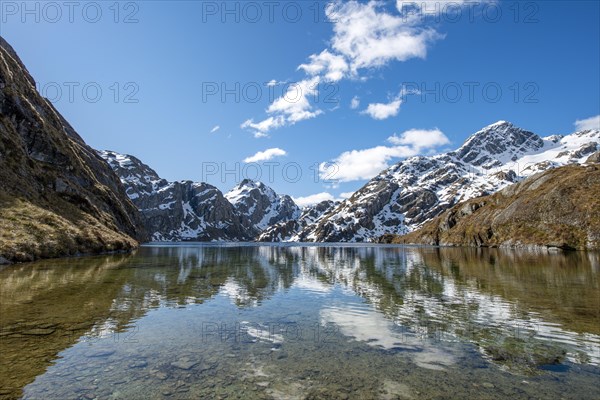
(57, 196)
(29, 231)
(560, 207)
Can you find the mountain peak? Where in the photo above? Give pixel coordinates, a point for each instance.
(261, 205)
(250, 184)
(499, 123)
(498, 143)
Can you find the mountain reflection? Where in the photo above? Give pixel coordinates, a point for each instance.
(477, 296)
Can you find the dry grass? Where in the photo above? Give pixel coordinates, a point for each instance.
(29, 232)
(559, 208)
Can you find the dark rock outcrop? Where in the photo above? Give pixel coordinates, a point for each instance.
(292, 230)
(259, 207)
(174, 211)
(58, 197)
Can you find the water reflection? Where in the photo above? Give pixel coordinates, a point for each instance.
(165, 317)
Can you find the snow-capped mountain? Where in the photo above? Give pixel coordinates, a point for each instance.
(174, 211)
(259, 206)
(403, 197)
(290, 231)
(398, 200)
(186, 210)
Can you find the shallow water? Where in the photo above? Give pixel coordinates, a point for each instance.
(203, 321)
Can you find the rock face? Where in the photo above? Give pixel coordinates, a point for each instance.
(291, 230)
(405, 196)
(259, 206)
(397, 201)
(186, 210)
(174, 211)
(556, 208)
(58, 197)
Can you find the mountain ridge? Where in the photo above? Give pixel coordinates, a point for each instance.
(397, 201)
(557, 208)
(406, 195)
(59, 198)
(198, 211)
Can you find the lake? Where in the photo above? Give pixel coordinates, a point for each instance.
(192, 321)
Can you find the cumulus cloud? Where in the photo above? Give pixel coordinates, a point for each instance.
(294, 106)
(420, 139)
(355, 103)
(366, 163)
(216, 128)
(265, 155)
(383, 110)
(333, 67)
(588, 123)
(365, 36)
(313, 199)
(368, 36)
(362, 164)
(346, 195)
(261, 128)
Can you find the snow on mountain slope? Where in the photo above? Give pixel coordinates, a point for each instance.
(260, 205)
(398, 200)
(139, 179)
(289, 231)
(403, 197)
(174, 211)
(188, 210)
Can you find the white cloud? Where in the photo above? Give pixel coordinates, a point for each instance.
(369, 37)
(265, 155)
(588, 123)
(362, 164)
(333, 67)
(383, 110)
(216, 128)
(313, 199)
(366, 163)
(365, 36)
(420, 139)
(261, 128)
(274, 82)
(355, 103)
(294, 105)
(346, 195)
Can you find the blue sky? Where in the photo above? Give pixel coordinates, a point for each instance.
(387, 80)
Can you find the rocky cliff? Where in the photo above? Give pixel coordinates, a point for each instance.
(556, 208)
(408, 194)
(58, 197)
(175, 211)
(192, 211)
(260, 207)
(293, 230)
